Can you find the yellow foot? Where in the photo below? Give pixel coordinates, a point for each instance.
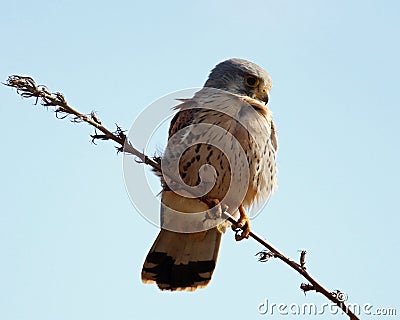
(242, 227)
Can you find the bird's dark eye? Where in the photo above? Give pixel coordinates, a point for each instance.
(251, 81)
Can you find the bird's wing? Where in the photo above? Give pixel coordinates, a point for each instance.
(186, 261)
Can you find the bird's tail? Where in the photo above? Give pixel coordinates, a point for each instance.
(182, 261)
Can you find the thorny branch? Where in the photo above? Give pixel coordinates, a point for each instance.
(27, 88)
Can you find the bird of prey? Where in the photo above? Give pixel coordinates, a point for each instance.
(224, 140)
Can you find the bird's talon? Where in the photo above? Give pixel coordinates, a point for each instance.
(240, 235)
(242, 227)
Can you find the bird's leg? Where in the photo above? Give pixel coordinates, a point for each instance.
(215, 210)
(243, 225)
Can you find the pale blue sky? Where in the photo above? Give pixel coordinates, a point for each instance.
(71, 243)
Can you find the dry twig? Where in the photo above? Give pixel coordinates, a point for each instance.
(27, 88)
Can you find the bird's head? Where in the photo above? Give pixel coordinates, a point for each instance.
(242, 77)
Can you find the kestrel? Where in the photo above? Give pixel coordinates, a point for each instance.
(222, 145)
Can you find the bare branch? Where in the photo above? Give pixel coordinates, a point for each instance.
(27, 88)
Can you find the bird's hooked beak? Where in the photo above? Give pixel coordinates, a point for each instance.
(262, 93)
